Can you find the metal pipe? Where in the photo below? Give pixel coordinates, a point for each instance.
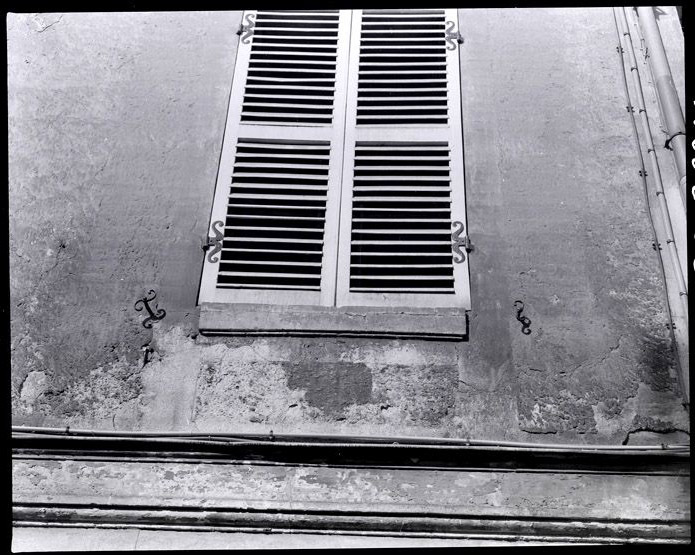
(666, 90)
(622, 31)
(626, 39)
(348, 440)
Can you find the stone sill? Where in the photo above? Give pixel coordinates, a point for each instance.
(391, 322)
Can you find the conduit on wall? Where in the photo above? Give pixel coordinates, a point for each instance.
(626, 48)
(666, 91)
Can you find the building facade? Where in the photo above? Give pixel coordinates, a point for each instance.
(126, 131)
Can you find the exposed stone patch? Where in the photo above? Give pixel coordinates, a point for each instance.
(547, 405)
(613, 417)
(602, 395)
(486, 413)
(643, 437)
(331, 387)
(425, 395)
(95, 401)
(34, 385)
(248, 391)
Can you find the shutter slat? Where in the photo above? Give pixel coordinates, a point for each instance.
(274, 251)
(276, 197)
(294, 147)
(263, 28)
(312, 89)
(285, 97)
(362, 157)
(305, 63)
(268, 106)
(368, 56)
(418, 89)
(275, 240)
(426, 79)
(356, 232)
(392, 290)
(270, 286)
(409, 265)
(359, 242)
(402, 41)
(399, 199)
(274, 206)
(367, 47)
(279, 56)
(242, 162)
(403, 220)
(269, 228)
(293, 80)
(260, 35)
(240, 260)
(396, 169)
(394, 209)
(285, 69)
(401, 277)
(401, 254)
(292, 218)
(263, 274)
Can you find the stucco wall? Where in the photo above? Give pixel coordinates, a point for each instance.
(116, 125)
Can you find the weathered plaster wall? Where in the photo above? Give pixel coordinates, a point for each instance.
(116, 123)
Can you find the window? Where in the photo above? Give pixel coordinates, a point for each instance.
(341, 177)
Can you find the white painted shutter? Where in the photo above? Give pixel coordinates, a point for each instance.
(403, 183)
(279, 178)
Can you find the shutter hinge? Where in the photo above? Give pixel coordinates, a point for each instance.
(246, 30)
(457, 242)
(452, 35)
(214, 242)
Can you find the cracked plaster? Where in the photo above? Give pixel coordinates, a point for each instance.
(120, 178)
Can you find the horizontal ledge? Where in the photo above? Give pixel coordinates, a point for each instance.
(387, 322)
(345, 522)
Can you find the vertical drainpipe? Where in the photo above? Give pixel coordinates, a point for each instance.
(668, 96)
(671, 250)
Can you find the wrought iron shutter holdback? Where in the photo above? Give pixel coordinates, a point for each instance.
(452, 36)
(246, 30)
(457, 242)
(214, 242)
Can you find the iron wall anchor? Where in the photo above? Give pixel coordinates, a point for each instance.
(525, 320)
(214, 242)
(145, 303)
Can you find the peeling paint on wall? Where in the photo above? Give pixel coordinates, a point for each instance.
(115, 129)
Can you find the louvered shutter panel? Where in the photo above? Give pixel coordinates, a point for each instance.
(403, 170)
(278, 183)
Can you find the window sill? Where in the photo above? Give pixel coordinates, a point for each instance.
(263, 319)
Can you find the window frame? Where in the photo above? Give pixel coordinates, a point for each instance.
(339, 312)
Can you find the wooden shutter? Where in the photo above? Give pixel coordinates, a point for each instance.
(279, 177)
(403, 170)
